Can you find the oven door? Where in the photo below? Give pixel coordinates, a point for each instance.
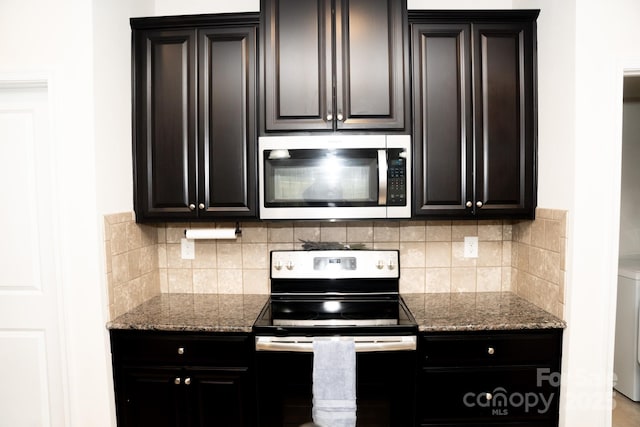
(319, 177)
(385, 385)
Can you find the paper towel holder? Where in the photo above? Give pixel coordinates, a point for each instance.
(238, 230)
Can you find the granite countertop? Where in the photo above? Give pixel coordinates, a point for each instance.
(193, 313)
(484, 311)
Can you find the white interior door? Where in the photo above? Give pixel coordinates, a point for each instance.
(32, 391)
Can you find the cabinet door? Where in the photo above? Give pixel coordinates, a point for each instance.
(297, 57)
(504, 118)
(165, 125)
(219, 398)
(490, 394)
(371, 72)
(443, 151)
(227, 122)
(149, 397)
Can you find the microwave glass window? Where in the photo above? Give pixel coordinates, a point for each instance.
(321, 178)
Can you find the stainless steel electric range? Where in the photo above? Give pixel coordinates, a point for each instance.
(351, 294)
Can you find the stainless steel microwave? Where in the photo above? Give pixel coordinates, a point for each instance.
(335, 176)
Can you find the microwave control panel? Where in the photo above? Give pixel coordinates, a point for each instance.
(396, 178)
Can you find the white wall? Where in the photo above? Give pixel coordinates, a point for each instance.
(54, 39)
(630, 188)
(190, 7)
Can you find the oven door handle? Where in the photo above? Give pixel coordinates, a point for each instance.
(362, 344)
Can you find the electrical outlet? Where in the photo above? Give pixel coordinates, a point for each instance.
(471, 247)
(188, 248)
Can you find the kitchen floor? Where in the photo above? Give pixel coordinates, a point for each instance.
(626, 412)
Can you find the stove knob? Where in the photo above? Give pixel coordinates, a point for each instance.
(277, 265)
(380, 264)
(392, 265)
(290, 265)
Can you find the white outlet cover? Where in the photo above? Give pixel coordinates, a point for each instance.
(471, 247)
(188, 248)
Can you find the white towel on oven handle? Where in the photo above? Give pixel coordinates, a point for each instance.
(334, 382)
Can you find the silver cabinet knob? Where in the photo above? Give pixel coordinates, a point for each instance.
(187, 381)
(380, 264)
(201, 206)
(489, 396)
(192, 206)
(491, 350)
(290, 265)
(180, 350)
(329, 117)
(177, 381)
(479, 204)
(391, 265)
(469, 204)
(340, 117)
(277, 265)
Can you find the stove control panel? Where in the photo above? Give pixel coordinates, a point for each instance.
(338, 264)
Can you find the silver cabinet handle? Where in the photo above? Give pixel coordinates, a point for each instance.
(187, 381)
(177, 381)
(479, 204)
(180, 350)
(491, 350)
(469, 204)
(340, 117)
(192, 206)
(201, 206)
(329, 117)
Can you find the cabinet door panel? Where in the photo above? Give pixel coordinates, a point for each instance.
(370, 64)
(165, 150)
(227, 134)
(219, 398)
(298, 64)
(149, 397)
(488, 394)
(504, 117)
(443, 139)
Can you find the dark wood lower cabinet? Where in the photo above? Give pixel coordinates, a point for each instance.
(489, 379)
(464, 379)
(170, 380)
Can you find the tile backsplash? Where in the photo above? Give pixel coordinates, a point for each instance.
(526, 257)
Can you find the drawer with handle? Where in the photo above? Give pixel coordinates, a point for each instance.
(490, 348)
(180, 348)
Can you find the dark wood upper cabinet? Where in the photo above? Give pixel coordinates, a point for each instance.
(334, 65)
(195, 136)
(474, 114)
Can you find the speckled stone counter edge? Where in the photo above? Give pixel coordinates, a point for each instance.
(481, 311)
(447, 312)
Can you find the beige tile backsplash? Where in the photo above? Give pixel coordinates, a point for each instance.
(526, 257)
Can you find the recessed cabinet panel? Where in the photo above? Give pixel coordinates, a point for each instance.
(334, 65)
(503, 141)
(442, 143)
(474, 114)
(370, 68)
(297, 64)
(227, 132)
(166, 143)
(195, 117)
(150, 397)
(369, 89)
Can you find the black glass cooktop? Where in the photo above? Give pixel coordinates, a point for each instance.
(334, 315)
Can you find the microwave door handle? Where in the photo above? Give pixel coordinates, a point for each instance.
(382, 177)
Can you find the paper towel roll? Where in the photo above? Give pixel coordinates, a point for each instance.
(211, 233)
